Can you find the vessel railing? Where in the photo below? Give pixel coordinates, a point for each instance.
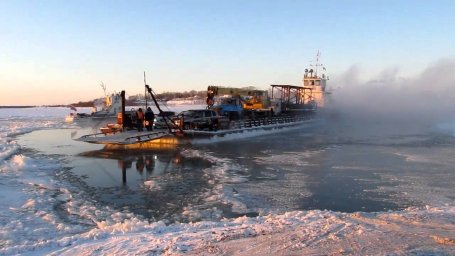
(268, 121)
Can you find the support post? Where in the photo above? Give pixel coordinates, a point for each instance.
(122, 94)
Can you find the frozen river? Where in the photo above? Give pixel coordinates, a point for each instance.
(319, 187)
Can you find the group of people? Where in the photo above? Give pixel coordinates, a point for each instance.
(145, 119)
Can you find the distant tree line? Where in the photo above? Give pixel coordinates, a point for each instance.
(165, 96)
(185, 94)
(81, 104)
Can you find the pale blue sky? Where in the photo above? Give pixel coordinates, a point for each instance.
(58, 52)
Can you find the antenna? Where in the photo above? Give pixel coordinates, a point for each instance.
(317, 64)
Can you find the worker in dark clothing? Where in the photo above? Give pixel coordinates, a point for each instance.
(140, 119)
(149, 118)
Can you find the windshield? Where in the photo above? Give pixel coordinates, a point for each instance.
(192, 113)
(226, 101)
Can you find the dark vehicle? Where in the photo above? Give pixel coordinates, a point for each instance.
(159, 122)
(201, 119)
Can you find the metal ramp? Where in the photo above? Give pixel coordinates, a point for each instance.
(123, 138)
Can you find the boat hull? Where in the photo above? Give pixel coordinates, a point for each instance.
(163, 138)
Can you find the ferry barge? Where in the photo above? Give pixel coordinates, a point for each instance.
(230, 113)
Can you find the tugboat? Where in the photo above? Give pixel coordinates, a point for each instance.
(103, 108)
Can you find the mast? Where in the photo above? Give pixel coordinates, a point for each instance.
(145, 92)
(317, 65)
(122, 94)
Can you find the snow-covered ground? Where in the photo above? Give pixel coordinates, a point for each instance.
(428, 231)
(40, 213)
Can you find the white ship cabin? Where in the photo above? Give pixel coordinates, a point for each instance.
(317, 85)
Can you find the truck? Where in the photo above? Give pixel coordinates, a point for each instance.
(201, 119)
(237, 103)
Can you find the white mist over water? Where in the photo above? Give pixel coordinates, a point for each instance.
(390, 104)
(428, 97)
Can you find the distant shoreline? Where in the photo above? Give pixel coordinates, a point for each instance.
(17, 106)
(44, 106)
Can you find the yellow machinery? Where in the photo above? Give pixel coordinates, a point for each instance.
(237, 100)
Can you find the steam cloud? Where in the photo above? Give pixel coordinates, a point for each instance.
(426, 98)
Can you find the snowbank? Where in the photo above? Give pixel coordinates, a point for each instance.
(430, 230)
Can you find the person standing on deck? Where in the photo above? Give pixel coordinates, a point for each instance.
(149, 118)
(140, 119)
